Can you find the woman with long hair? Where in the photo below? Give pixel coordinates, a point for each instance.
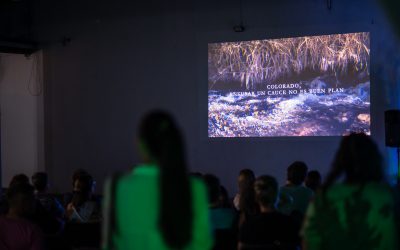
(356, 212)
(157, 206)
(245, 201)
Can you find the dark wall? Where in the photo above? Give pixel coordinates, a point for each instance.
(124, 59)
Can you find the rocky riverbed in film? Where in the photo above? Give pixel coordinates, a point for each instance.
(306, 114)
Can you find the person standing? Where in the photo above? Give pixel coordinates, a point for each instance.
(157, 205)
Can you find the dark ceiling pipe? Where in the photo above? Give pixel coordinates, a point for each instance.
(18, 47)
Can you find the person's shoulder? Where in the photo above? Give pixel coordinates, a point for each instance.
(272, 215)
(306, 190)
(379, 191)
(370, 191)
(197, 184)
(284, 188)
(24, 223)
(124, 177)
(377, 187)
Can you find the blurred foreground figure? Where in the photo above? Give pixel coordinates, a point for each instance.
(16, 232)
(357, 213)
(157, 206)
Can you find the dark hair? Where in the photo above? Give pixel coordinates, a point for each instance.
(313, 180)
(213, 186)
(19, 179)
(224, 197)
(163, 141)
(266, 190)
(85, 190)
(86, 182)
(18, 189)
(248, 174)
(247, 203)
(77, 173)
(40, 181)
(297, 172)
(358, 159)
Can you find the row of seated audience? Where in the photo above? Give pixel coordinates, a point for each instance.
(160, 206)
(260, 221)
(42, 217)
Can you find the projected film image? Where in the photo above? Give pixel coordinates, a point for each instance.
(302, 86)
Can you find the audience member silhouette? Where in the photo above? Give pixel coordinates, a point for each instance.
(16, 180)
(16, 232)
(48, 223)
(82, 207)
(48, 202)
(221, 218)
(313, 180)
(19, 179)
(294, 188)
(157, 206)
(270, 229)
(244, 201)
(357, 212)
(77, 173)
(224, 200)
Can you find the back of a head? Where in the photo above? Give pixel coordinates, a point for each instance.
(246, 190)
(247, 174)
(297, 172)
(19, 179)
(77, 173)
(246, 179)
(83, 183)
(162, 141)
(358, 159)
(40, 181)
(213, 186)
(20, 198)
(266, 190)
(313, 180)
(224, 198)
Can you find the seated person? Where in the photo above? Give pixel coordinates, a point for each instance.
(270, 229)
(17, 179)
(224, 200)
(244, 201)
(221, 217)
(48, 223)
(15, 231)
(82, 207)
(295, 190)
(48, 202)
(313, 180)
(68, 196)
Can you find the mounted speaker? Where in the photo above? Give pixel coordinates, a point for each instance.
(392, 128)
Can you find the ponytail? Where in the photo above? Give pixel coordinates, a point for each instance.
(164, 143)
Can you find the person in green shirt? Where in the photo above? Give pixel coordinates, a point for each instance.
(157, 205)
(357, 213)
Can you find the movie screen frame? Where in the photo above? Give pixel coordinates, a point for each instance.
(305, 86)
